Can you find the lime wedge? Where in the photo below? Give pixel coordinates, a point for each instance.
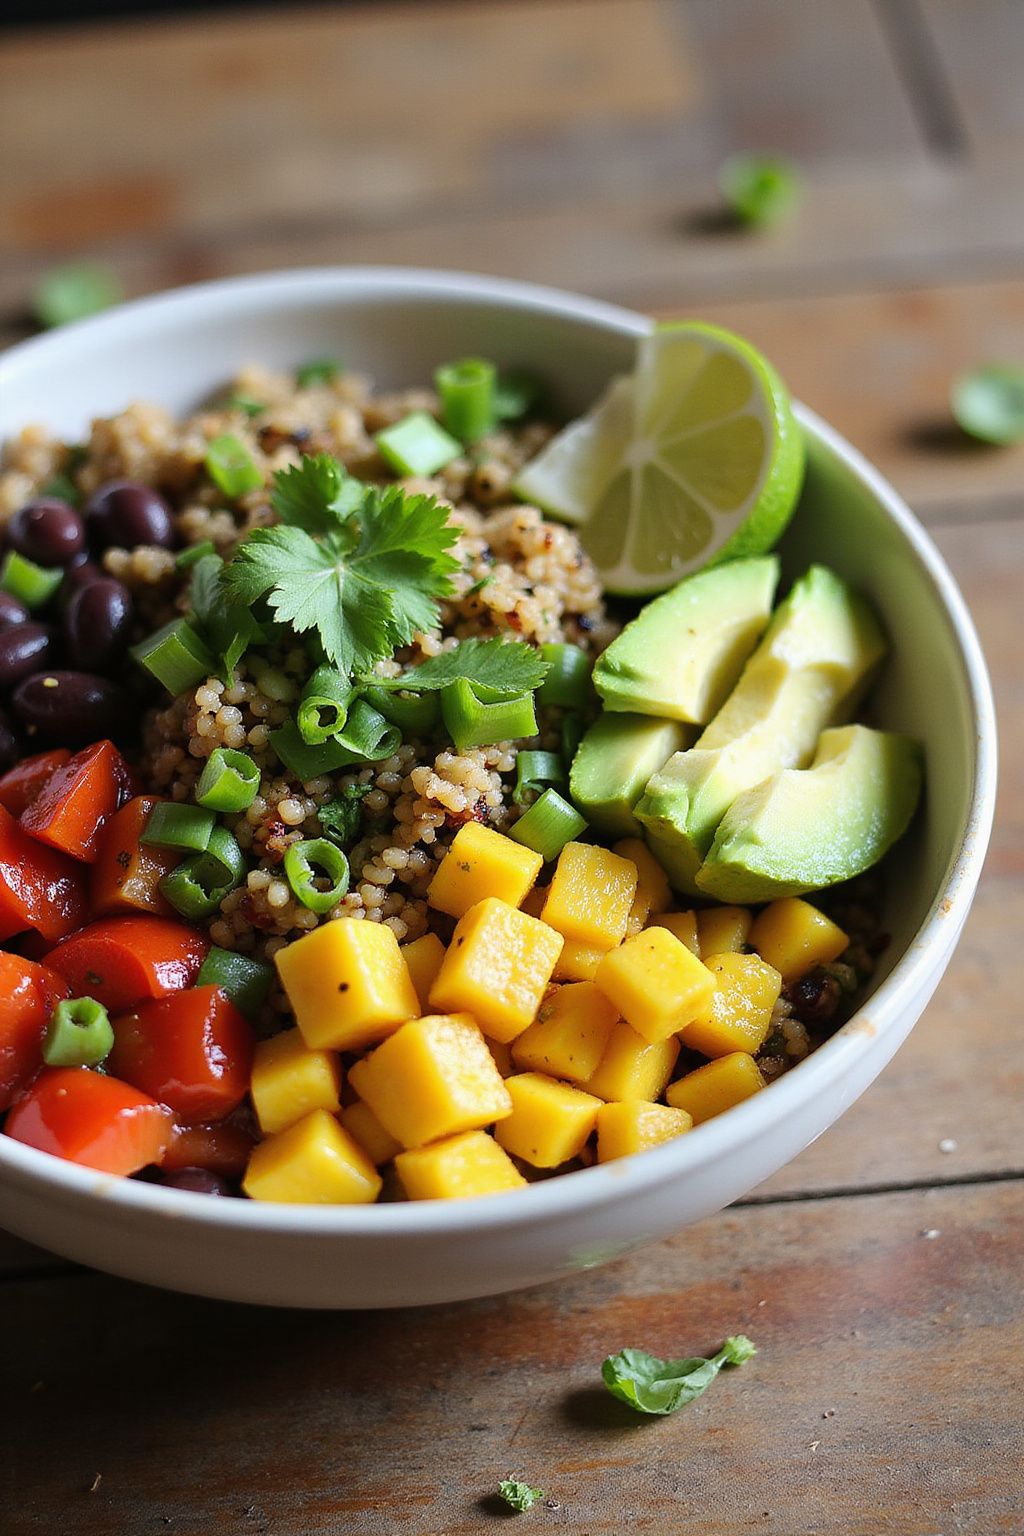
(695, 457)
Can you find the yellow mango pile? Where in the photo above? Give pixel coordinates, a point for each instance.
(552, 1015)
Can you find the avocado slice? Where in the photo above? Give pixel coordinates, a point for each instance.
(808, 672)
(805, 828)
(683, 652)
(613, 763)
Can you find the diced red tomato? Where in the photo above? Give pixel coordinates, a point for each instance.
(89, 1118)
(127, 873)
(69, 811)
(28, 995)
(121, 961)
(39, 887)
(192, 1051)
(223, 1148)
(21, 784)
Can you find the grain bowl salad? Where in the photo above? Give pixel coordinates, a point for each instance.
(408, 795)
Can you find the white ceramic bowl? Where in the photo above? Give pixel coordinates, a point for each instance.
(397, 325)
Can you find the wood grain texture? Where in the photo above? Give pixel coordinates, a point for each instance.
(203, 1418)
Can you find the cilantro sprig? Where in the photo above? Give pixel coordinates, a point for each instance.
(362, 567)
(650, 1385)
(227, 627)
(506, 666)
(519, 1495)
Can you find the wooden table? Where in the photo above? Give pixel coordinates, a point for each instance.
(576, 141)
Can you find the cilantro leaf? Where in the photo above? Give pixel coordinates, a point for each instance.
(340, 819)
(228, 628)
(650, 1385)
(506, 666)
(367, 584)
(321, 370)
(519, 1496)
(315, 494)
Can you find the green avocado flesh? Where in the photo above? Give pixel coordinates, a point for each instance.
(612, 765)
(808, 672)
(680, 656)
(806, 828)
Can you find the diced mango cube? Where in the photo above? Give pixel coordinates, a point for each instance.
(570, 1033)
(632, 1068)
(550, 1122)
(578, 962)
(739, 1014)
(590, 895)
(482, 863)
(502, 1053)
(497, 968)
(348, 984)
(652, 881)
(655, 983)
(626, 1128)
(314, 1162)
(434, 1077)
(458, 1168)
(361, 1122)
(794, 937)
(716, 1086)
(423, 957)
(683, 925)
(720, 929)
(288, 1080)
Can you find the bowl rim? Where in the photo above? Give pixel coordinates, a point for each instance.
(589, 1188)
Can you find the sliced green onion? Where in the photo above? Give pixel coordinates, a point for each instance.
(79, 1034)
(64, 488)
(368, 734)
(480, 716)
(246, 982)
(70, 293)
(321, 370)
(197, 887)
(176, 656)
(314, 860)
(537, 770)
(567, 683)
(230, 781)
(467, 397)
(548, 825)
(573, 728)
(174, 825)
(515, 395)
(417, 445)
(186, 558)
(31, 584)
(245, 404)
(323, 708)
(230, 466)
(308, 762)
(415, 714)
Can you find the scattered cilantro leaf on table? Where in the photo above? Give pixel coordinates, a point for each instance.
(519, 1496)
(988, 404)
(506, 666)
(650, 1385)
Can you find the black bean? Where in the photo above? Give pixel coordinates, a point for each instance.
(10, 746)
(77, 575)
(97, 621)
(11, 611)
(24, 649)
(48, 531)
(71, 707)
(200, 1181)
(126, 513)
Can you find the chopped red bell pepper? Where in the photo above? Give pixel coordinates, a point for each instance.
(71, 808)
(39, 887)
(223, 1148)
(21, 784)
(192, 1051)
(89, 1118)
(28, 995)
(127, 873)
(121, 961)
